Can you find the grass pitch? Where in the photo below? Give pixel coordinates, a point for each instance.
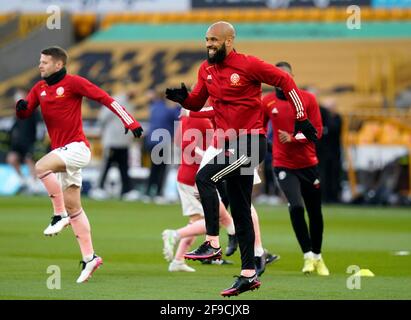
(128, 237)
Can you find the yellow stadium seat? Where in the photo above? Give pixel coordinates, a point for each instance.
(380, 15)
(398, 14)
(315, 15)
(282, 15)
(366, 14)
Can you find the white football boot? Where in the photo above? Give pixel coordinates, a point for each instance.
(57, 224)
(169, 241)
(88, 268)
(176, 265)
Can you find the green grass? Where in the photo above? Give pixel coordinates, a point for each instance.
(128, 237)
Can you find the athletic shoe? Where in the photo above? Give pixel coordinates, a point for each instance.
(241, 285)
(169, 241)
(260, 263)
(322, 269)
(98, 194)
(308, 266)
(271, 257)
(180, 266)
(217, 262)
(57, 224)
(132, 195)
(88, 268)
(205, 251)
(232, 245)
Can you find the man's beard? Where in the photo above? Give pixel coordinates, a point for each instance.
(219, 55)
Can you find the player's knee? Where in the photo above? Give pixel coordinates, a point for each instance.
(202, 178)
(72, 208)
(40, 167)
(195, 217)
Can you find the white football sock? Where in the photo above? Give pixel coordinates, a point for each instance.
(309, 255)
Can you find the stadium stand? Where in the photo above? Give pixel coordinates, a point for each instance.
(365, 70)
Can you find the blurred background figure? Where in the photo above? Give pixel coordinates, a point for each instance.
(115, 151)
(329, 152)
(269, 192)
(162, 116)
(22, 139)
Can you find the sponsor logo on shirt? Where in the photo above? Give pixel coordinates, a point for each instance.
(60, 92)
(235, 79)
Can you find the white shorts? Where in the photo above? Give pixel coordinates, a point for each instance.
(257, 179)
(75, 155)
(209, 154)
(189, 203)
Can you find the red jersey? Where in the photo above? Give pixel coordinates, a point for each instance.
(200, 130)
(234, 89)
(61, 108)
(300, 152)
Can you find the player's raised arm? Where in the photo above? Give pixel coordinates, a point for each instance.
(192, 101)
(274, 76)
(313, 113)
(25, 107)
(93, 92)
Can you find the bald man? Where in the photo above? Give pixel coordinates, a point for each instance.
(232, 83)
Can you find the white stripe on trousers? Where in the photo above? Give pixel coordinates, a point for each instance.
(236, 164)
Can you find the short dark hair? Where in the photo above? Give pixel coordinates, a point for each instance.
(57, 53)
(284, 64)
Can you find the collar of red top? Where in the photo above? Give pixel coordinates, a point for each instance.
(55, 77)
(230, 56)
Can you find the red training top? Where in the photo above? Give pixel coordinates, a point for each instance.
(195, 132)
(61, 108)
(234, 89)
(300, 152)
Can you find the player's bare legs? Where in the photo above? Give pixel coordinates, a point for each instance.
(45, 170)
(82, 231)
(187, 236)
(259, 254)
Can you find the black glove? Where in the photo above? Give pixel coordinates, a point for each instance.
(177, 95)
(137, 132)
(21, 105)
(306, 128)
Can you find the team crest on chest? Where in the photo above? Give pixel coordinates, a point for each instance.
(60, 91)
(209, 78)
(235, 79)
